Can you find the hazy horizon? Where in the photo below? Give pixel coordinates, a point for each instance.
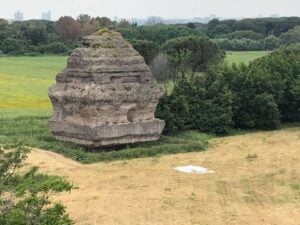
(176, 9)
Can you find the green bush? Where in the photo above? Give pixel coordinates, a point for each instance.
(284, 67)
(271, 42)
(53, 48)
(291, 37)
(203, 103)
(267, 115)
(12, 46)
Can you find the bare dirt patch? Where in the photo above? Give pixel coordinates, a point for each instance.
(257, 182)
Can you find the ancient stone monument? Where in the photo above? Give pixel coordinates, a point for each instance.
(106, 95)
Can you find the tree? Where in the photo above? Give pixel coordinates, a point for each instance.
(159, 33)
(90, 27)
(153, 20)
(25, 196)
(247, 34)
(194, 54)
(124, 23)
(36, 35)
(11, 46)
(161, 68)
(267, 114)
(53, 48)
(83, 19)
(191, 25)
(271, 42)
(291, 37)
(68, 28)
(104, 21)
(203, 103)
(3, 24)
(148, 49)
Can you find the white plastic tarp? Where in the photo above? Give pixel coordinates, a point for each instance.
(193, 169)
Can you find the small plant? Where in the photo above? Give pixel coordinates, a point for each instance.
(251, 157)
(193, 197)
(127, 87)
(103, 31)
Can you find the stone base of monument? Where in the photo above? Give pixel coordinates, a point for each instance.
(107, 135)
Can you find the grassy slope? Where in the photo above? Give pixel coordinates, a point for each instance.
(257, 182)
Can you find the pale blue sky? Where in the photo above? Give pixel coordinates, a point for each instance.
(145, 8)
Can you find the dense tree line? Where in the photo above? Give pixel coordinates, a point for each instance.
(260, 95)
(45, 37)
(263, 26)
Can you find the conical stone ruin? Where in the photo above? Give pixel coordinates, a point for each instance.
(106, 96)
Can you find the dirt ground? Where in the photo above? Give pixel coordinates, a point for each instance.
(257, 182)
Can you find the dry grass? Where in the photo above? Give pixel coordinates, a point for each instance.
(257, 182)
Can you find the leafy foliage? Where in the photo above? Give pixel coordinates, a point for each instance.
(158, 33)
(148, 49)
(53, 48)
(192, 53)
(257, 96)
(201, 103)
(25, 196)
(68, 28)
(11, 45)
(291, 37)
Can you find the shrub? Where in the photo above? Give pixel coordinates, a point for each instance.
(203, 103)
(291, 37)
(53, 48)
(11, 46)
(271, 42)
(25, 195)
(283, 65)
(267, 115)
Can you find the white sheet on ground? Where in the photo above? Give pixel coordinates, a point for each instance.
(193, 169)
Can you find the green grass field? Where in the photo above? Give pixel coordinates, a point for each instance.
(25, 109)
(244, 57)
(24, 84)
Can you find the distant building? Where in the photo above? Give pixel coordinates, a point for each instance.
(46, 15)
(274, 15)
(18, 16)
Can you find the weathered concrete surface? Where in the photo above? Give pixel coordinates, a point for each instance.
(106, 95)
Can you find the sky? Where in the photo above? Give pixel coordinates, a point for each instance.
(32, 9)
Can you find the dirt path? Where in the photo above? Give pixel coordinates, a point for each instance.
(261, 189)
